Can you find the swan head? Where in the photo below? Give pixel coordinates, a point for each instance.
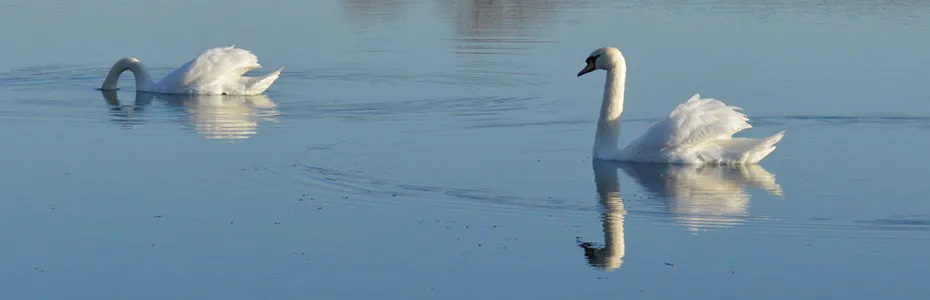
(603, 59)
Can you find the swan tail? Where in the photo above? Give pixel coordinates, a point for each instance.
(739, 151)
(761, 148)
(258, 85)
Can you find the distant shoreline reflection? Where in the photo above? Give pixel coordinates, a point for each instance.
(698, 196)
(212, 116)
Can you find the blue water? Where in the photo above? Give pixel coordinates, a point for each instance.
(441, 150)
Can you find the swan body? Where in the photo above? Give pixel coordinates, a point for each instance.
(699, 131)
(217, 71)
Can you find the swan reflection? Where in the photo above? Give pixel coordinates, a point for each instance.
(610, 256)
(213, 116)
(697, 196)
(703, 196)
(483, 18)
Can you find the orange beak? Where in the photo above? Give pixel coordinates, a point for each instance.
(588, 68)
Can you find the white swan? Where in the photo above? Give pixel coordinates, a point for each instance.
(699, 131)
(216, 71)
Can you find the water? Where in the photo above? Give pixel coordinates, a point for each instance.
(441, 150)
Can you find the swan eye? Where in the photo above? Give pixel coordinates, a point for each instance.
(591, 59)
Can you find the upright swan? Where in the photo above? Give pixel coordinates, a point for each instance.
(216, 71)
(699, 131)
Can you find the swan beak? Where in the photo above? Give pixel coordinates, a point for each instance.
(587, 68)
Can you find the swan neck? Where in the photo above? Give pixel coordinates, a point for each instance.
(139, 72)
(608, 125)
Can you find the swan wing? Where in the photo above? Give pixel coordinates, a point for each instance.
(700, 131)
(213, 66)
(258, 85)
(693, 122)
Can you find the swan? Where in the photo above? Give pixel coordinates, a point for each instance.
(217, 71)
(698, 131)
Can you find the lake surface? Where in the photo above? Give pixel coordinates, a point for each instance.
(441, 150)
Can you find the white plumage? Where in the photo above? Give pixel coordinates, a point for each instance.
(216, 71)
(698, 131)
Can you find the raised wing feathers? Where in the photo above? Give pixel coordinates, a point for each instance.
(693, 122)
(218, 64)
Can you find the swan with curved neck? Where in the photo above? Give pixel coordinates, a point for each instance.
(139, 72)
(699, 131)
(217, 71)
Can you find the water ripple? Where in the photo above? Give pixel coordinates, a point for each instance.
(486, 107)
(379, 190)
(62, 76)
(919, 122)
(474, 76)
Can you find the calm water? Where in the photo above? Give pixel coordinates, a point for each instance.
(441, 150)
